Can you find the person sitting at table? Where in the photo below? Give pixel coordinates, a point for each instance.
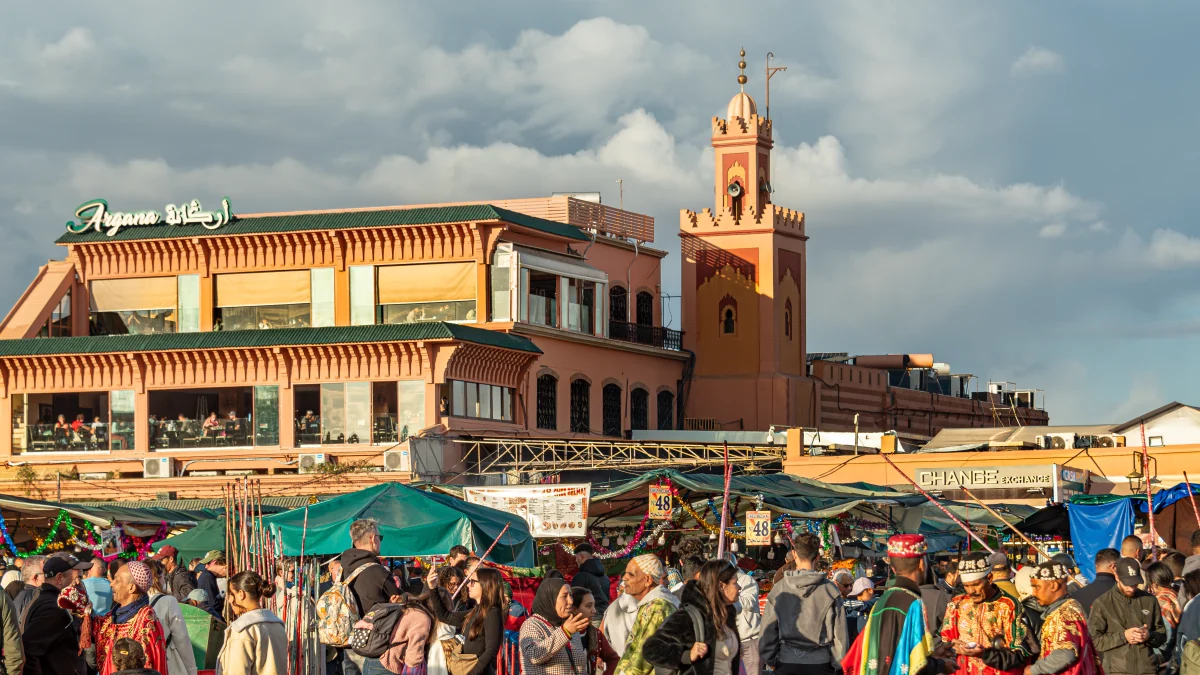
(233, 427)
(99, 433)
(62, 431)
(212, 425)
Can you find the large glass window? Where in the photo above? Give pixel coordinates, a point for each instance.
(266, 415)
(581, 305)
(611, 409)
(500, 277)
(543, 298)
(412, 407)
(133, 306)
(581, 406)
(322, 297)
(264, 300)
(59, 323)
(122, 419)
(63, 422)
(547, 402)
(358, 412)
(426, 292)
(362, 295)
(200, 417)
(189, 303)
(333, 413)
(481, 401)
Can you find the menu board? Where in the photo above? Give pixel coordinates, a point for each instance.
(550, 510)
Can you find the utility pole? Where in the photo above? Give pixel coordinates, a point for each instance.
(771, 73)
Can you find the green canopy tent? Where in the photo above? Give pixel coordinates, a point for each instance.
(412, 523)
(207, 536)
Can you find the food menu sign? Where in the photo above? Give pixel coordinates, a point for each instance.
(550, 510)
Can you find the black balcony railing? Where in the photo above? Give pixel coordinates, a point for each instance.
(655, 336)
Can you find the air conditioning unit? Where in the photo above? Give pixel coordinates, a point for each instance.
(1101, 441)
(397, 460)
(1056, 441)
(158, 467)
(310, 463)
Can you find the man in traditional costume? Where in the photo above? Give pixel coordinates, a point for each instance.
(986, 627)
(896, 639)
(133, 618)
(1067, 647)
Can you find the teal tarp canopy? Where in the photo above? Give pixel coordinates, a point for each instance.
(412, 522)
(205, 537)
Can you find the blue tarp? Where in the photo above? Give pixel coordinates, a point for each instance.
(1165, 498)
(1096, 527)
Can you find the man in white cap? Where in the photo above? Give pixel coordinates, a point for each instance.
(643, 583)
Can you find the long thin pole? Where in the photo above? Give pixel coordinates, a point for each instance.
(474, 567)
(937, 504)
(1191, 497)
(727, 474)
(300, 568)
(1149, 497)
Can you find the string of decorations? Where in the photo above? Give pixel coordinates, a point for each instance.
(141, 547)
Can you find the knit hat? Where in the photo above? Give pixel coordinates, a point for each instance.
(651, 565)
(974, 566)
(140, 572)
(907, 546)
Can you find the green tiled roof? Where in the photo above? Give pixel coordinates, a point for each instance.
(276, 337)
(310, 222)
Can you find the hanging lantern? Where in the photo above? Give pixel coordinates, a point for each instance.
(712, 536)
(778, 539)
(733, 546)
(662, 540)
(605, 541)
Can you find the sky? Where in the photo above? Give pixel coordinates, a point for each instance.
(1005, 185)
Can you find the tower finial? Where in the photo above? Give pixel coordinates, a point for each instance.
(742, 66)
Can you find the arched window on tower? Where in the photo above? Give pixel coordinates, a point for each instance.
(727, 315)
(618, 304)
(547, 402)
(581, 422)
(611, 409)
(639, 409)
(787, 318)
(666, 410)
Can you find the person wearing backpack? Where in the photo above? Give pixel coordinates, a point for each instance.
(181, 658)
(370, 584)
(701, 638)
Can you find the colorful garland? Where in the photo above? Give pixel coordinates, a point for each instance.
(141, 547)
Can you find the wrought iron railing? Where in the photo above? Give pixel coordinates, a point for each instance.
(655, 336)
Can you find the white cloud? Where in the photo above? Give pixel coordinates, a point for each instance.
(1037, 60)
(1053, 230)
(1169, 249)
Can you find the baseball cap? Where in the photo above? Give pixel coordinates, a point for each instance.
(1066, 561)
(165, 552)
(998, 561)
(56, 566)
(861, 584)
(1129, 572)
(211, 556)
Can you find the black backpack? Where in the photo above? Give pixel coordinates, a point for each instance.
(375, 636)
(697, 627)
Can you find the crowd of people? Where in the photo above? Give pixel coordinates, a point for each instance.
(972, 616)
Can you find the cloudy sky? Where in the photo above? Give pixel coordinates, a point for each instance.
(1007, 185)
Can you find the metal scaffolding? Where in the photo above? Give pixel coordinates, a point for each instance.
(508, 455)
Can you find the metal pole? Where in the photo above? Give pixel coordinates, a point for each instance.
(475, 567)
(727, 475)
(935, 503)
(1149, 497)
(1191, 497)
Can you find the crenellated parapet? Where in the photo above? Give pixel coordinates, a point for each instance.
(740, 127)
(776, 217)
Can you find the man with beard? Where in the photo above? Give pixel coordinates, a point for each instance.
(1126, 624)
(1067, 647)
(986, 627)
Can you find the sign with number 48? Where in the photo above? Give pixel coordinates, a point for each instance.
(758, 528)
(660, 502)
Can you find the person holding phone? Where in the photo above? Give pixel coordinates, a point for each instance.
(551, 641)
(1127, 625)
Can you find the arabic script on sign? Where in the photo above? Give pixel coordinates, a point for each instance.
(758, 528)
(95, 215)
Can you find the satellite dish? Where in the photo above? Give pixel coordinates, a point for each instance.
(734, 190)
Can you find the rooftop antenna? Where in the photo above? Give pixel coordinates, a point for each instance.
(771, 70)
(621, 186)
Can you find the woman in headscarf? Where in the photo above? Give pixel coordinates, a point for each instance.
(551, 641)
(594, 641)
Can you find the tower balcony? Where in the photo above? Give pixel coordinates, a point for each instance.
(654, 336)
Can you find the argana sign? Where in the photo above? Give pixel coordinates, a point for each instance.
(94, 215)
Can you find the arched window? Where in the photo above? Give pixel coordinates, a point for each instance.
(728, 322)
(581, 422)
(666, 410)
(611, 409)
(787, 318)
(645, 309)
(618, 304)
(547, 402)
(639, 409)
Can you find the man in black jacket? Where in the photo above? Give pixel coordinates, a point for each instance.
(50, 639)
(1127, 625)
(370, 582)
(1106, 568)
(180, 582)
(591, 576)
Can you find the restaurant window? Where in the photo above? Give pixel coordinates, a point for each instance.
(611, 409)
(59, 323)
(122, 424)
(412, 407)
(322, 297)
(639, 409)
(362, 295)
(481, 401)
(263, 300)
(83, 426)
(426, 292)
(345, 413)
(666, 410)
(547, 402)
(266, 415)
(133, 306)
(581, 406)
(500, 278)
(581, 305)
(543, 298)
(189, 303)
(618, 304)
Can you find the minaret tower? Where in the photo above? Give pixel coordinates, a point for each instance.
(743, 282)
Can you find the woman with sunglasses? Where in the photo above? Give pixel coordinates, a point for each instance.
(483, 625)
(675, 645)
